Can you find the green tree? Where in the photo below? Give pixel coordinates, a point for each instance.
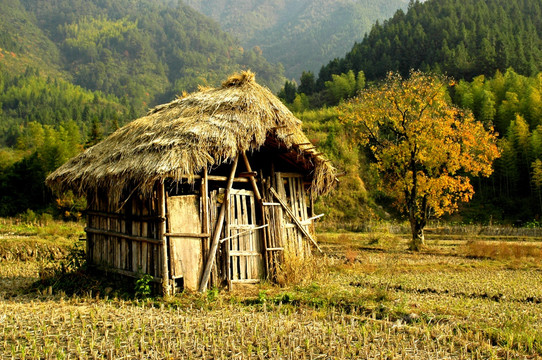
(96, 133)
(307, 84)
(288, 92)
(300, 103)
(536, 179)
(342, 86)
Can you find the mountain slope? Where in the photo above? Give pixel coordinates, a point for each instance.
(23, 43)
(463, 38)
(301, 34)
(143, 51)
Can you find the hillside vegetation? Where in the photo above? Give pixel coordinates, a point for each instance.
(127, 55)
(143, 50)
(461, 38)
(73, 71)
(499, 95)
(300, 34)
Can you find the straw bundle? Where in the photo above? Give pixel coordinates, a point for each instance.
(203, 129)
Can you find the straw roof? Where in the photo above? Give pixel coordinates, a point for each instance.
(187, 135)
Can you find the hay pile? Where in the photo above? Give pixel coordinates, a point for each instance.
(203, 129)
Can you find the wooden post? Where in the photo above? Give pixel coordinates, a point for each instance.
(296, 220)
(252, 180)
(205, 213)
(163, 237)
(218, 229)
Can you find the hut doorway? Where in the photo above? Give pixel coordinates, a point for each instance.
(243, 240)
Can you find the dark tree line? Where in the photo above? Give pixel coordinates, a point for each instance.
(461, 38)
(43, 123)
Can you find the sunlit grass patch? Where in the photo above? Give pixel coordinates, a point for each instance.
(25, 240)
(45, 229)
(502, 250)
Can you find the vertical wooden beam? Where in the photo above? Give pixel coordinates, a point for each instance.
(230, 215)
(89, 247)
(205, 213)
(251, 178)
(218, 229)
(163, 237)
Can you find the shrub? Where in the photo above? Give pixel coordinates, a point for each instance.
(143, 286)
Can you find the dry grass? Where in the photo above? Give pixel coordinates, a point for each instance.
(84, 328)
(351, 255)
(386, 303)
(296, 270)
(503, 250)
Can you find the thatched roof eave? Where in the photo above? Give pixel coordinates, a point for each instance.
(202, 130)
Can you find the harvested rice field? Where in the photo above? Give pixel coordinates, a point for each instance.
(369, 298)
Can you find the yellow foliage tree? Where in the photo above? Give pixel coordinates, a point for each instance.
(424, 148)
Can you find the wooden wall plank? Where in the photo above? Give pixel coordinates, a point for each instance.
(204, 205)
(234, 241)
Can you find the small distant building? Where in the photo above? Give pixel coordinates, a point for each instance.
(208, 190)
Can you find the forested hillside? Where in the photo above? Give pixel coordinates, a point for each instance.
(462, 38)
(72, 71)
(301, 34)
(145, 50)
(493, 50)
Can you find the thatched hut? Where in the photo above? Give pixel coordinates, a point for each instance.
(166, 196)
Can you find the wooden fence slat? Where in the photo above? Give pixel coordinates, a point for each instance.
(163, 240)
(181, 235)
(244, 270)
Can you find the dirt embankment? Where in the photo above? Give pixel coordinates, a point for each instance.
(23, 248)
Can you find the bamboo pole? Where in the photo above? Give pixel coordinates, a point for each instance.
(90, 230)
(205, 213)
(218, 229)
(163, 237)
(215, 178)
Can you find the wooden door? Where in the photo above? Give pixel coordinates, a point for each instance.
(244, 246)
(186, 252)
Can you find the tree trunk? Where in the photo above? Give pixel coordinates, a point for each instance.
(418, 238)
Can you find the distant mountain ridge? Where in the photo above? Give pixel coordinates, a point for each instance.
(301, 34)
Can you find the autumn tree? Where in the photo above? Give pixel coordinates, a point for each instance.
(424, 148)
